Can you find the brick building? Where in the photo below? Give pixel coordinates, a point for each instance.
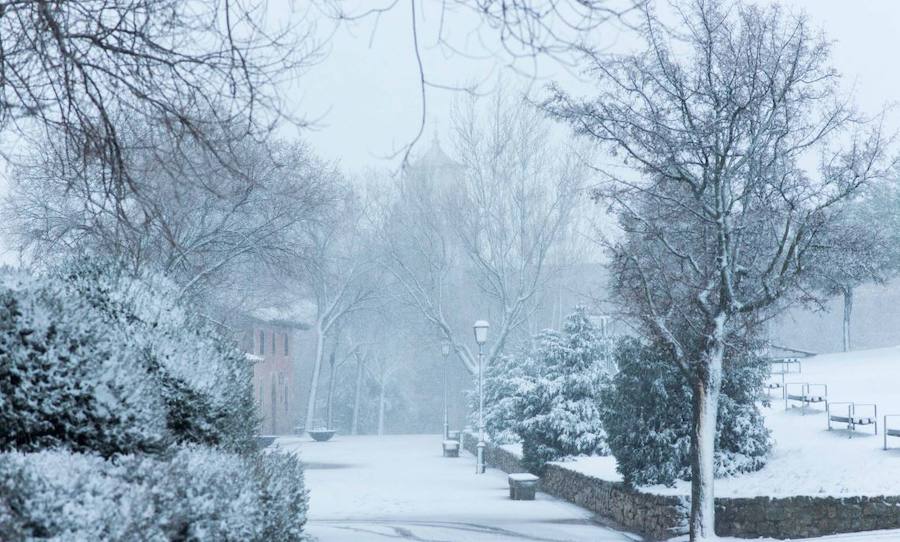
(278, 349)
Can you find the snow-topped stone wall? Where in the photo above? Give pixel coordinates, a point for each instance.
(658, 517)
(655, 517)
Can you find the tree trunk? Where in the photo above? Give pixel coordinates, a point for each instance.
(314, 383)
(354, 425)
(330, 400)
(705, 403)
(848, 309)
(381, 410)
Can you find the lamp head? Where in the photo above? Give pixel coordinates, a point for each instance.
(481, 328)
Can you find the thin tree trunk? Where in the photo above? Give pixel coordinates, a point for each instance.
(330, 400)
(354, 425)
(381, 410)
(848, 309)
(705, 403)
(314, 383)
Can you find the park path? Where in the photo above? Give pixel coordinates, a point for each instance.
(372, 488)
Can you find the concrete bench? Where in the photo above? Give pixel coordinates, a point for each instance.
(890, 431)
(856, 414)
(451, 448)
(522, 486)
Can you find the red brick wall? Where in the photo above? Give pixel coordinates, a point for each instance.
(273, 377)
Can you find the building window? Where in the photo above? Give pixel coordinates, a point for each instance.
(262, 342)
(285, 344)
(273, 342)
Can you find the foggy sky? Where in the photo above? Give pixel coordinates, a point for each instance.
(364, 96)
(367, 96)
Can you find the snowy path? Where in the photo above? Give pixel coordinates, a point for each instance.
(400, 488)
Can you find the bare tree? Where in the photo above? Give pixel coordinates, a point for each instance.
(70, 72)
(339, 275)
(865, 248)
(722, 223)
(490, 219)
(200, 222)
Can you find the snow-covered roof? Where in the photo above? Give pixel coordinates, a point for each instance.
(298, 314)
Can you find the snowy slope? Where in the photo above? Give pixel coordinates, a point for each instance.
(807, 458)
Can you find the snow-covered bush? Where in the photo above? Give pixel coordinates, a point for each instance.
(123, 416)
(646, 411)
(559, 413)
(96, 361)
(283, 495)
(197, 493)
(506, 382)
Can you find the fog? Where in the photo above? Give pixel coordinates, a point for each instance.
(603, 234)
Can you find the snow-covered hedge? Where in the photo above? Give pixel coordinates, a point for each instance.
(196, 493)
(98, 362)
(646, 411)
(123, 416)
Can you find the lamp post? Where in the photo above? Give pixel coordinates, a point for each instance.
(445, 350)
(481, 329)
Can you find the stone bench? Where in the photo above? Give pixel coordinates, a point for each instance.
(451, 448)
(522, 486)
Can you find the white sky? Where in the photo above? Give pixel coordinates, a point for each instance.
(366, 95)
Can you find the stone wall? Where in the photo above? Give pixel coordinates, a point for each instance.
(803, 516)
(654, 517)
(495, 456)
(658, 517)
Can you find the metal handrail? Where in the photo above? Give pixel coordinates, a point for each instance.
(885, 428)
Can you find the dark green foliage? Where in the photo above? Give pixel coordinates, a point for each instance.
(646, 411)
(96, 362)
(559, 400)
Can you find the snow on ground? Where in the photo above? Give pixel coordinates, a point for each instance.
(808, 459)
(374, 488)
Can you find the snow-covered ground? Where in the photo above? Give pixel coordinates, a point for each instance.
(369, 488)
(380, 488)
(807, 459)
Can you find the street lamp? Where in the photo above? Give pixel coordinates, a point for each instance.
(481, 329)
(445, 351)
